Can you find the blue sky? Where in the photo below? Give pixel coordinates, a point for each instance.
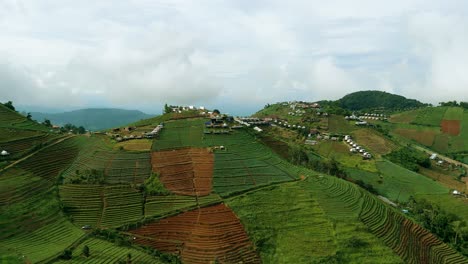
(238, 55)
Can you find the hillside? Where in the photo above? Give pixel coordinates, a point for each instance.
(377, 99)
(93, 118)
(199, 194)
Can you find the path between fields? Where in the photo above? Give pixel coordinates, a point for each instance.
(447, 159)
(34, 153)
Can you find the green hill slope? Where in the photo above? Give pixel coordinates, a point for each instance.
(377, 99)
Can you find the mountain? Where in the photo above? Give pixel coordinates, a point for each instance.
(93, 118)
(377, 99)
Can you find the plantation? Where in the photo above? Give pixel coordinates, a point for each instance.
(430, 116)
(375, 142)
(181, 133)
(14, 120)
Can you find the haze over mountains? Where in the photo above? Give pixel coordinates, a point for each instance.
(93, 118)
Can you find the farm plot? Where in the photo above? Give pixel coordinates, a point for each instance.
(288, 224)
(12, 119)
(162, 205)
(422, 136)
(200, 236)
(451, 127)
(101, 206)
(180, 133)
(404, 117)
(430, 116)
(186, 171)
(102, 251)
(407, 239)
(454, 113)
(398, 183)
(374, 142)
(116, 166)
(245, 163)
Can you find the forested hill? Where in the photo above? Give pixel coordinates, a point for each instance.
(93, 118)
(377, 99)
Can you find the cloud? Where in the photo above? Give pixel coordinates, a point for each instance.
(146, 53)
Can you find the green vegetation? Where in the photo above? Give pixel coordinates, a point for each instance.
(409, 158)
(454, 113)
(430, 116)
(153, 186)
(181, 133)
(377, 99)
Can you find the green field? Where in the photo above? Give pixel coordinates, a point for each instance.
(337, 124)
(454, 113)
(181, 133)
(430, 116)
(14, 120)
(398, 183)
(102, 251)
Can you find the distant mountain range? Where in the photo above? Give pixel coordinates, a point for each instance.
(93, 118)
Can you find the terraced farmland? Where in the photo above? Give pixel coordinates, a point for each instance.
(186, 171)
(162, 205)
(200, 236)
(102, 251)
(12, 119)
(117, 166)
(410, 241)
(181, 133)
(102, 206)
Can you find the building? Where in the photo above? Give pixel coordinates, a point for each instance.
(4, 153)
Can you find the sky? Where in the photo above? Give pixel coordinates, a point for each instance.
(233, 55)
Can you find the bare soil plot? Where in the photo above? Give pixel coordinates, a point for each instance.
(375, 142)
(425, 137)
(203, 235)
(451, 127)
(187, 171)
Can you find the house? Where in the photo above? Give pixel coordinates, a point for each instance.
(311, 142)
(455, 192)
(4, 153)
(361, 123)
(433, 156)
(258, 129)
(314, 132)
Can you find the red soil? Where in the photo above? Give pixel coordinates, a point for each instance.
(186, 171)
(200, 236)
(451, 127)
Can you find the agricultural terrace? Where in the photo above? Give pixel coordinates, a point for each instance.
(101, 251)
(12, 119)
(31, 220)
(203, 235)
(453, 113)
(187, 171)
(116, 166)
(405, 117)
(451, 127)
(337, 124)
(396, 182)
(135, 145)
(181, 133)
(422, 135)
(101, 206)
(157, 206)
(18, 147)
(300, 232)
(244, 163)
(408, 240)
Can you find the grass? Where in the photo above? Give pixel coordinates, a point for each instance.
(337, 124)
(430, 116)
(447, 203)
(423, 136)
(340, 152)
(404, 117)
(399, 183)
(373, 141)
(454, 113)
(14, 120)
(135, 145)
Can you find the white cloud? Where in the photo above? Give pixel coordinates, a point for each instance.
(145, 53)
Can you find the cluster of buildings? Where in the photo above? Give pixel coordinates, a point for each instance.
(154, 132)
(253, 121)
(180, 109)
(286, 124)
(355, 148)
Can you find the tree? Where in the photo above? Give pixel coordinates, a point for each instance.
(167, 109)
(86, 251)
(129, 258)
(81, 130)
(9, 104)
(216, 111)
(457, 228)
(29, 116)
(67, 254)
(47, 123)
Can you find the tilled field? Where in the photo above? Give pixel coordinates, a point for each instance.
(186, 171)
(200, 236)
(451, 127)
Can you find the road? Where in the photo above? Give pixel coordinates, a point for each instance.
(444, 158)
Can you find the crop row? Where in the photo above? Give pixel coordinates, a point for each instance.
(208, 234)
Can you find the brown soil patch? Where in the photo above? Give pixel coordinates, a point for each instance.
(376, 143)
(203, 235)
(451, 127)
(425, 137)
(186, 171)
